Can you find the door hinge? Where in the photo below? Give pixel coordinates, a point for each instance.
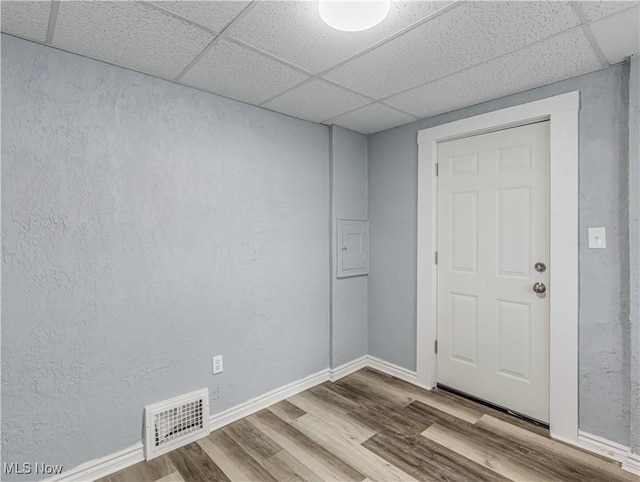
(437, 169)
(435, 347)
(435, 256)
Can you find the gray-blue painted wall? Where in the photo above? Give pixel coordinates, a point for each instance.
(146, 227)
(349, 201)
(634, 247)
(604, 373)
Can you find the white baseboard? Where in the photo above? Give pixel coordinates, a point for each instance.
(393, 370)
(104, 466)
(263, 401)
(632, 463)
(611, 450)
(602, 446)
(348, 368)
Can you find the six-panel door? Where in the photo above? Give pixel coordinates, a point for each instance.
(493, 227)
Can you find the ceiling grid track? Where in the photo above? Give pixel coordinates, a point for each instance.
(247, 46)
(330, 82)
(380, 43)
(557, 34)
(329, 121)
(178, 16)
(582, 26)
(396, 109)
(584, 21)
(305, 81)
(206, 50)
(53, 18)
(394, 36)
(326, 81)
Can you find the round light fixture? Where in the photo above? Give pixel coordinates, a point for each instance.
(353, 15)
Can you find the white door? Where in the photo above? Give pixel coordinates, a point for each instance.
(493, 227)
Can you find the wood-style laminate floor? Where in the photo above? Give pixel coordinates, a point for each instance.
(370, 426)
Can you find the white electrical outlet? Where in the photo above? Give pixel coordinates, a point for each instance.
(217, 364)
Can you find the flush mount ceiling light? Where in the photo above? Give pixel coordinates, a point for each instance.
(353, 15)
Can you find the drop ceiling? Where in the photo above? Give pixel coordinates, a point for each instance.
(424, 59)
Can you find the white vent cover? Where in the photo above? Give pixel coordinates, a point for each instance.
(176, 422)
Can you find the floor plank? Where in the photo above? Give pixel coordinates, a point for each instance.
(362, 380)
(257, 444)
(432, 398)
(228, 466)
(483, 452)
(287, 410)
(338, 417)
(232, 459)
(360, 391)
(344, 445)
(332, 399)
(286, 468)
(172, 477)
(427, 461)
(430, 415)
(376, 413)
(311, 454)
(452, 399)
(151, 470)
(195, 465)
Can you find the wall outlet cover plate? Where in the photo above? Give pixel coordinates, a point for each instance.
(597, 238)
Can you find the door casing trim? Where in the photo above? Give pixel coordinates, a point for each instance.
(562, 112)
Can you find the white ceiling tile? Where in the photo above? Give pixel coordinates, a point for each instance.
(294, 31)
(558, 58)
(26, 19)
(215, 15)
(464, 36)
(594, 10)
(371, 118)
(618, 35)
(129, 34)
(316, 101)
(234, 71)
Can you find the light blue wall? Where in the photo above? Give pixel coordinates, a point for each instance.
(634, 247)
(147, 226)
(349, 201)
(604, 395)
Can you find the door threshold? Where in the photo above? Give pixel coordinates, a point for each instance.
(500, 408)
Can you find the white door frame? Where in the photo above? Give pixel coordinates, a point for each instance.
(562, 111)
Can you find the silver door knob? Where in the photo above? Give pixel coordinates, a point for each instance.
(539, 287)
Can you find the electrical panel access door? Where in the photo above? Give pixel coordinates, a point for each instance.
(352, 247)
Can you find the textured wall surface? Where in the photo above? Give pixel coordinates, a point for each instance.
(393, 197)
(604, 274)
(634, 247)
(146, 227)
(604, 294)
(349, 200)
